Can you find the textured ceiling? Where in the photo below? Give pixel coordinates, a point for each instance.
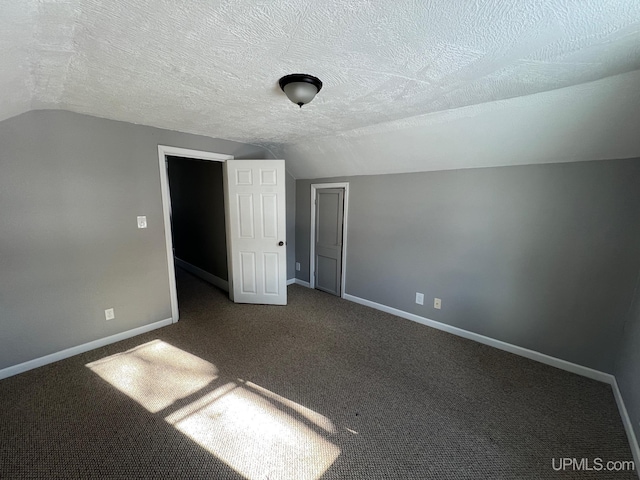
(598, 120)
(212, 67)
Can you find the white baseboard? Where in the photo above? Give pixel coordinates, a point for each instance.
(628, 424)
(206, 276)
(291, 281)
(85, 347)
(302, 283)
(508, 347)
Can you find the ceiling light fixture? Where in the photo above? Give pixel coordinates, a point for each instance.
(300, 88)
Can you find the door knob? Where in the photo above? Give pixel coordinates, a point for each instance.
(281, 243)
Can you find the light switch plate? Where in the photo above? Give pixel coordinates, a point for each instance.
(142, 221)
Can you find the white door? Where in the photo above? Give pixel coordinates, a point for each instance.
(256, 228)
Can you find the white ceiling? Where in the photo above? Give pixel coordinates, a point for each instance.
(599, 120)
(212, 67)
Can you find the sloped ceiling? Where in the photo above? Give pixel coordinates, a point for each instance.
(212, 67)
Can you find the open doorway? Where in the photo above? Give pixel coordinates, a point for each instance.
(198, 218)
(329, 210)
(255, 225)
(165, 156)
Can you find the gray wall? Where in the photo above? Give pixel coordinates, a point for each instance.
(71, 187)
(540, 256)
(628, 363)
(197, 214)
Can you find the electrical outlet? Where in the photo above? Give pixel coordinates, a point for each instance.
(297, 266)
(109, 314)
(420, 298)
(437, 303)
(142, 221)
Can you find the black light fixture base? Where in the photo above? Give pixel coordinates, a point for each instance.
(300, 77)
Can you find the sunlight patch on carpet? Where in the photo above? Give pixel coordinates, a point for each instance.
(255, 431)
(254, 435)
(155, 374)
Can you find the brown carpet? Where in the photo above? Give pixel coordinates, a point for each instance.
(321, 388)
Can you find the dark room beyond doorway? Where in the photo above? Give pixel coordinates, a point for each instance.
(198, 217)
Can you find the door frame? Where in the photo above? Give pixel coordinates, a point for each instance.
(163, 151)
(312, 261)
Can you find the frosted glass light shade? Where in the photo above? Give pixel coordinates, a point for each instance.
(300, 88)
(300, 92)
